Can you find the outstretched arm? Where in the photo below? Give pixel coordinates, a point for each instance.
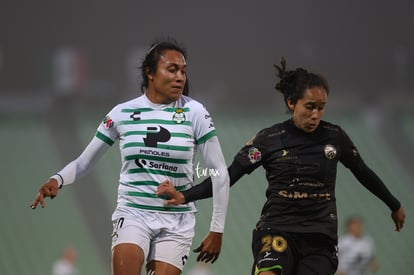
(200, 191)
(374, 184)
(71, 172)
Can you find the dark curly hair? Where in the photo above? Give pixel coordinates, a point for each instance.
(150, 62)
(293, 83)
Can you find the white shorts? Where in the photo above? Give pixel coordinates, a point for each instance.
(165, 237)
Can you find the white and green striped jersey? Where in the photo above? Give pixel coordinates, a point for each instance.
(157, 143)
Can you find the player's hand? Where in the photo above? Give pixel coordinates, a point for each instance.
(210, 248)
(49, 189)
(398, 216)
(166, 188)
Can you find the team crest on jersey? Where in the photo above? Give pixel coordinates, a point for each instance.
(179, 116)
(108, 122)
(254, 155)
(330, 151)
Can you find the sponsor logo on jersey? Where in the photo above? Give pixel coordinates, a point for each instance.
(155, 153)
(330, 151)
(285, 155)
(254, 155)
(108, 122)
(142, 163)
(135, 115)
(296, 195)
(155, 135)
(179, 116)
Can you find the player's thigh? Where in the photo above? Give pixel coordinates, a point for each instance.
(273, 252)
(173, 244)
(127, 259)
(318, 264)
(131, 230)
(162, 268)
(130, 245)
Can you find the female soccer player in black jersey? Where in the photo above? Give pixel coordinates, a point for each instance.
(297, 230)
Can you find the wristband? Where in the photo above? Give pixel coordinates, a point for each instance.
(60, 182)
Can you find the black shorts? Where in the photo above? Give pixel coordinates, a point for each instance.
(293, 253)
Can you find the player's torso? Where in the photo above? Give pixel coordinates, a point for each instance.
(301, 172)
(155, 145)
(147, 136)
(302, 165)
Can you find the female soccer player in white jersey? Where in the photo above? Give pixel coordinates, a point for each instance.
(158, 133)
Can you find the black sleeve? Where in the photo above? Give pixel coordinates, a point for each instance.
(205, 189)
(373, 183)
(352, 159)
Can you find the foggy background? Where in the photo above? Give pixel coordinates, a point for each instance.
(65, 64)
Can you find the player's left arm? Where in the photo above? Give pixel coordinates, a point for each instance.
(214, 160)
(210, 247)
(370, 180)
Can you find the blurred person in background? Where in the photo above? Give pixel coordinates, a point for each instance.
(297, 231)
(201, 268)
(158, 134)
(66, 265)
(356, 250)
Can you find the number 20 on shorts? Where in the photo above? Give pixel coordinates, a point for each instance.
(277, 243)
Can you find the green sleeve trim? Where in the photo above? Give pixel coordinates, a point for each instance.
(104, 138)
(206, 137)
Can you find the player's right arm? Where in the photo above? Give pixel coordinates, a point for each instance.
(71, 172)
